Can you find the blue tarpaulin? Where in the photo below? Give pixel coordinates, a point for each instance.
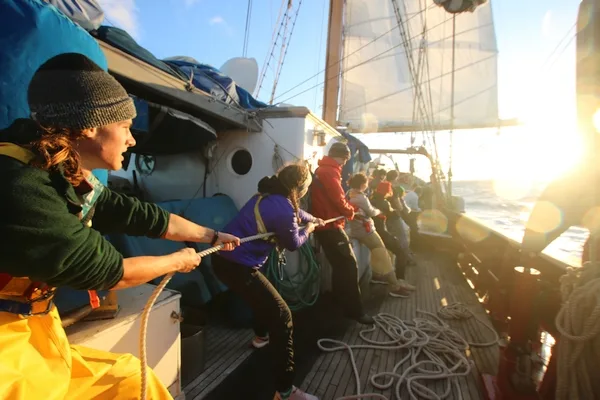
(358, 152)
(209, 79)
(32, 32)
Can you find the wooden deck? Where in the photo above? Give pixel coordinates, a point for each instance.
(226, 349)
(231, 364)
(438, 283)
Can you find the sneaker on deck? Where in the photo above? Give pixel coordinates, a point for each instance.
(259, 342)
(296, 394)
(406, 285)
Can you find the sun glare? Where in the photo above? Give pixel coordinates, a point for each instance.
(543, 151)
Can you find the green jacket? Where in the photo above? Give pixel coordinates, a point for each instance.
(41, 236)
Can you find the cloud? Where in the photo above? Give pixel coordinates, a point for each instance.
(123, 14)
(218, 20)
(547, 24)
(190, 3)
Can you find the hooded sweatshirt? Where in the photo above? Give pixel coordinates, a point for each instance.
(327, 195)
(362, 224)
(279, 217)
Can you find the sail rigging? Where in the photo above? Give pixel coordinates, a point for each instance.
(403, 81)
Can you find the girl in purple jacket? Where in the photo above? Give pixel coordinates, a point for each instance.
(274, 209)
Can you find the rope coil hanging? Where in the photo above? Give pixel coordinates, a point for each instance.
(578, 322)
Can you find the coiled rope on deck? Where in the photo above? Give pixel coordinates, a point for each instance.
(578, 322)
(157, 291)
(435, 352)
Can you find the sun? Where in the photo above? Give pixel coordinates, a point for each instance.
(543, 151)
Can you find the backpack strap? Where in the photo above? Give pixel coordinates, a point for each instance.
(261, 228)
(26, 156)
(17, 152)
(260, 223)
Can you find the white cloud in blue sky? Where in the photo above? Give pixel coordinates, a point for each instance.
(123, 14)
(220, 21)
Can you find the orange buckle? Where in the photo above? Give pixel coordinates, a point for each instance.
(94, 299)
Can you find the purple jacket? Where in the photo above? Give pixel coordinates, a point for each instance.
(278, 216)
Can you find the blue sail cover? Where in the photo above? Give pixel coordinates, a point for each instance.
(209, 79)
(32, 32)
(358, 152)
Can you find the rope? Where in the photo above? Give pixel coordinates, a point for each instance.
(435, 351)
(301, 289)
(578, 323)
(157, 291)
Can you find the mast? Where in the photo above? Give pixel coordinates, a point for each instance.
(333, 62)
(452, 92)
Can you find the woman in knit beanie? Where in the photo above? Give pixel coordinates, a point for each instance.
(53, 215)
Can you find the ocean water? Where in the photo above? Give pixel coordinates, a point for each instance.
(508, 215)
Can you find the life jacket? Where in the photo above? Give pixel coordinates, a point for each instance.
(23, 287)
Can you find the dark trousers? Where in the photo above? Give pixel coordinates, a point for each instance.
(392, 243)
(271, 314)
(411, 220)
(344, 280)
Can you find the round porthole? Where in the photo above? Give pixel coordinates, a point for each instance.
(145, 164)
(241, 162)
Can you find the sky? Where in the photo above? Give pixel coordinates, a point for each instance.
(536, 68)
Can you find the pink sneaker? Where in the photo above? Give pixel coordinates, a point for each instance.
(399, 292)
(260, 342)
(296, 394)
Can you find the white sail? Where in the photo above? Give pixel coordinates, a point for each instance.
(378, 85)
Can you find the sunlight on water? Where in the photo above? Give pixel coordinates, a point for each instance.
(500, 175)
(512, 189)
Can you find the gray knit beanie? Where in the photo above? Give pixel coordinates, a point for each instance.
(71, 91)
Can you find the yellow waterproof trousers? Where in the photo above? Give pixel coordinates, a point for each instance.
(37, 363)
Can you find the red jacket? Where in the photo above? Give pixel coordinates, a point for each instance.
(327, 195)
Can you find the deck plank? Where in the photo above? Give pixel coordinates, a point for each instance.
(330, 376)
(228, 349)
(438, 282)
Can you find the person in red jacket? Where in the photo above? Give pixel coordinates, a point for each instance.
(329, 201)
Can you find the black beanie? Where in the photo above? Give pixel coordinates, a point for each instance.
(71, 91)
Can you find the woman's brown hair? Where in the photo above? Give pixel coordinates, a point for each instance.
(54, 147)
(293, 177)
(357, 180)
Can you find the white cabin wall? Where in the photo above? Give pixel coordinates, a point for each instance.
(295, 141)
(287, 133)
